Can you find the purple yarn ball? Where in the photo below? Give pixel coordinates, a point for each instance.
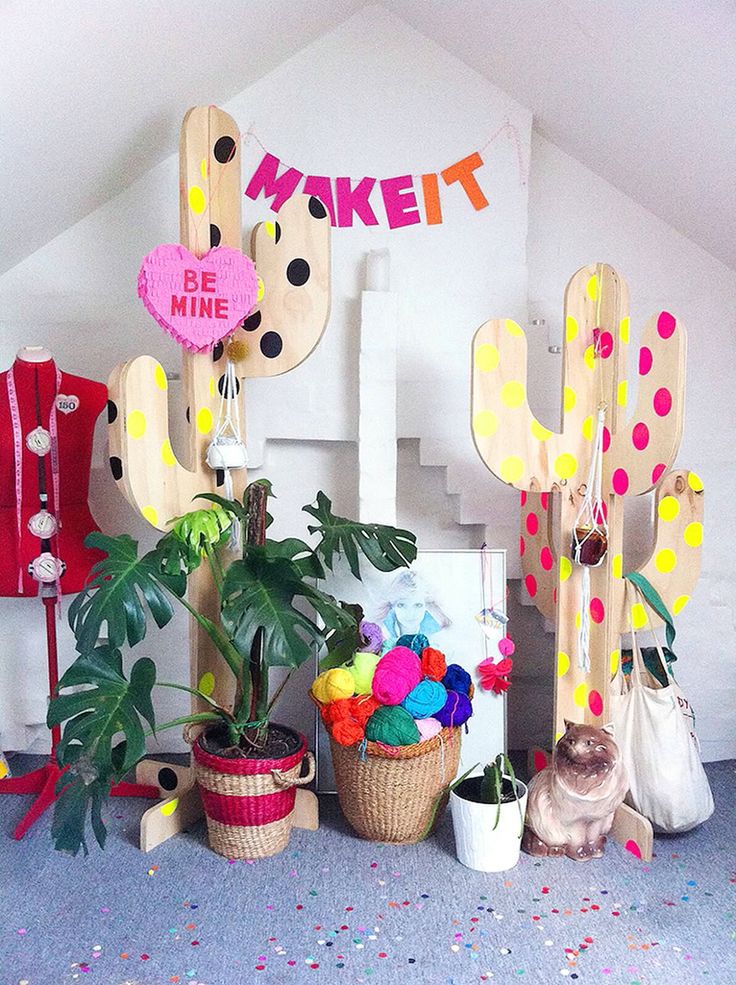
(371, 635)
(456, 711)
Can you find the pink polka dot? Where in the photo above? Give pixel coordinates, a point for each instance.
(540, 760)
(531, 585)
(523, 498)
(544, 500)
(662, 402)
(605, 345)
(522, 546)
(640, 436)
(546, 559)
(597, 610)
(620, 481)
(657, 471)
(666, 324)
(601, 512)
(606, 439)
(595, 703)
(633, 847)
(532, 524)
(645, 360)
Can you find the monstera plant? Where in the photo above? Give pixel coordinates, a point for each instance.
(272, 614)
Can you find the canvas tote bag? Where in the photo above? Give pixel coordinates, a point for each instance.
(655, 731)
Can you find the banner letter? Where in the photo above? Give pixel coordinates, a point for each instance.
(265, 180)
(432, 206)
(463, 172)
(351, 200)
(399, 201)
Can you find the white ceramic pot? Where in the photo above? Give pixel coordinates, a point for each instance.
(477, 844)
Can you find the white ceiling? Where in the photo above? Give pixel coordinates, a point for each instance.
(641, 92)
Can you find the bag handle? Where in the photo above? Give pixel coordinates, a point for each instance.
(637, 660)
(652, 596)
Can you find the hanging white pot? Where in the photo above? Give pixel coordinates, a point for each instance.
(478, 844)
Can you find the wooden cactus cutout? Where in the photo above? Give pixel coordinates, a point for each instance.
(293, 263)
(552, 470)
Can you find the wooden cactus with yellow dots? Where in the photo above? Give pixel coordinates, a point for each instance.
(552, 470)
(292, 259)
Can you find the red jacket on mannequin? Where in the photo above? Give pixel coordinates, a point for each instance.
(37, 387)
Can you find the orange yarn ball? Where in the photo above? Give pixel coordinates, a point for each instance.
(362, 707)
(336, 711)
(347, 732)
(433, 664)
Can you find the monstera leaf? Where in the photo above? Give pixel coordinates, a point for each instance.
(260, 592)
(202, 530)
(387, 548)
(343, 643)
(120, 584)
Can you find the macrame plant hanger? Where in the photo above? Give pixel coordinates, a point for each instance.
(227, 452)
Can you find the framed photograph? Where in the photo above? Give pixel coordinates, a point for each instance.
(454, 598)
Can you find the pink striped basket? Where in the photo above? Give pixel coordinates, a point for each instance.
(249, 802)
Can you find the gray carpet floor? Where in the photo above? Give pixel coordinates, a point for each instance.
(334, 909)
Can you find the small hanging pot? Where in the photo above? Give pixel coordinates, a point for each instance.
(589, 545)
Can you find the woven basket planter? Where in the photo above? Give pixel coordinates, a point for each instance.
(249, 802)
(396, 794)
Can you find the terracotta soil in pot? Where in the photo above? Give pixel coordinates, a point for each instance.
(280, 742)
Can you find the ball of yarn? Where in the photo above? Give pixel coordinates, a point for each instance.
(433, 663)
(457, 679)
(335, 711)
(347, 732)
(414, 641)
(428, 728)
(397, 672)
(371, 635)
(456, 711)
(362, 707)
(393, 726)
(425, 699)
(331, 685)
(363, 668)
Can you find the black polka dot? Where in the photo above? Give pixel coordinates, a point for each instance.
(112, 411)
(224, 150)
(297, 273)
(277, 232)
(271, 345)
(222, 386)
(167, 779)
(220, 477)
(317, 208)
(187, 415)
(215, 235)
(116, 467)
(252, 322)
(218, 351)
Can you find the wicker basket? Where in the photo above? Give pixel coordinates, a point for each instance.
(396, 794)
(249, 802)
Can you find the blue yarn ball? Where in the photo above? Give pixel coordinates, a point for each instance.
(416, 642)
(425, 699)
(457, 679)
(457, 710)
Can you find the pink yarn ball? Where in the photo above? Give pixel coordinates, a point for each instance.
(506, 646)
(398, 672)
(428, 728)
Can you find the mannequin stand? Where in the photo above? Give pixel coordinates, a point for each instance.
(43, 781)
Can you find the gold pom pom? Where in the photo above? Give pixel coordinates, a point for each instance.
(237, 350)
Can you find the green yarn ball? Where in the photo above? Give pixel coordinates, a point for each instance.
(393, 726)
(363, 668)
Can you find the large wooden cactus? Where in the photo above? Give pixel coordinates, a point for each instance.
(292, 258)
(552, 470)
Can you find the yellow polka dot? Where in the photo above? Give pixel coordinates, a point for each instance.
(207, 683)
(563, 664)
(261, 291)
(570, 398)
(580, 695)
(695, 482)
(565, 568)
(168, 809)
(558, 736)
(638, 616)
(160, 377)
(589, 357)
(136, 424)
(270, 228)
(512, 328)
(622, 393)
(668, 508)
(204, 420)
(512, 393)
(203, 167)
(615, 659)
(566, 465)
(486, 357)
(617, 566)
(151, 514)
(694, 534)
(624, 330)
(485, 423)
(512, 469)
(212, 386)
(578, 621)
(3, 770)
(167, 455)
(679, 604)
(571, 329)
(592, 287)
(540, 432)
(665, 561)
(588, 428)
(197, 201)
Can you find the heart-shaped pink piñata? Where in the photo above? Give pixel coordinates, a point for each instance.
(198, 302)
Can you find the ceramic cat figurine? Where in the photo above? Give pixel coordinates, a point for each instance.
(572, 801)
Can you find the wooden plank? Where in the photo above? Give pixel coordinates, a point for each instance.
(169, 817)
(634, 832)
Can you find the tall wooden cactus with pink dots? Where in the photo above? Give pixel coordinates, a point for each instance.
(551, 469)
(292, 258)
